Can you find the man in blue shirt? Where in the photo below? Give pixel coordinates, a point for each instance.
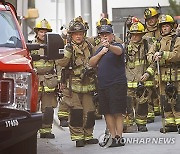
(112, 82)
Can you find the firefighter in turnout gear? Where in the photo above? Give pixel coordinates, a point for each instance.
(47, 80)
(79, 80)
(63, 111)
(166, 51)
(152, 34)
(139, 92)
(129, 125)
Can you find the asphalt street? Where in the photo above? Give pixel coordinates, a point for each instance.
(151, 142)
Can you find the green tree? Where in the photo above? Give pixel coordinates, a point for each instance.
(175, 11)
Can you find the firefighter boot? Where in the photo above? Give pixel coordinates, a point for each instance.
(92, 141)
(80, 143)
(178, 127)
(98, 116)
(157, 113)
(150, 120)
(169, 129)
(63, 123)
(47, 135)
(142, 128)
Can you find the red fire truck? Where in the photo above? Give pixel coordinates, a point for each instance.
(19, 121)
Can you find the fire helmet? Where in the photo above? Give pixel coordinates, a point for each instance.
(103, 21)
(77, 25)
(150, 12)
(43, 24)
(137, 27)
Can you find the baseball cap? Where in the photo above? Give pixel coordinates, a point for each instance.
(105, 29)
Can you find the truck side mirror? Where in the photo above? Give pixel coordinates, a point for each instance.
(55, 46)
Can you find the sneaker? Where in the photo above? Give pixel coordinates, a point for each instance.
(80, 143)
(114, 143)
(63, 123)
(92, 141)
(178, 127)
(142, 128)
(121, 141)
(117, 141)
(47, 135)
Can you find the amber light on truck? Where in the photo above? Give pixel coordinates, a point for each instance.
(22, 89)
(6, 91)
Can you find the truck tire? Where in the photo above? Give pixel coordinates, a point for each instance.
(27, 146)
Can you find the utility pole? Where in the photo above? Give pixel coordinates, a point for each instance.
(57, 13)
(86, 14)
(22, 8)
(104, 9)
(69, 10)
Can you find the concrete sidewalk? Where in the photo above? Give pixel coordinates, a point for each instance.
(151, 142)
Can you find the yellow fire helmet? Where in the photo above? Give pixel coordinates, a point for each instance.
(103, 21)
(137, 27)
(43, 24)
(150, 12)
(165, 19)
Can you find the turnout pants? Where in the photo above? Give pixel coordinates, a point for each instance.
(48, 103)
(81, 118)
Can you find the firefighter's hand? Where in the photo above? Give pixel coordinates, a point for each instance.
(157, 56)
(144, 77)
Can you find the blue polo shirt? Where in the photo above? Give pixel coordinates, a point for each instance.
(111, 68)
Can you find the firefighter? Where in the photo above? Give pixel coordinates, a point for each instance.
(139, 92)
(63, 111)
(178, 30)
(48, 80)
(166, 51)
(129, 125)
(79, 81)
(151, 23)
(130, 20)
(152, 34)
